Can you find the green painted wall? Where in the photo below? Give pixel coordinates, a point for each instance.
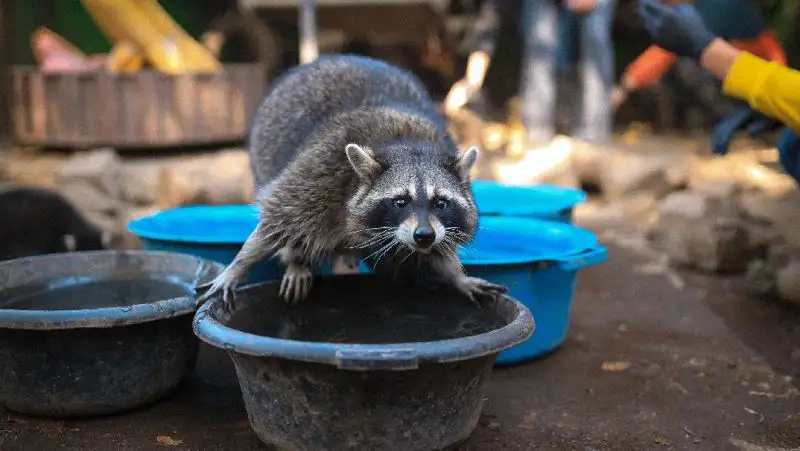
(69, 19)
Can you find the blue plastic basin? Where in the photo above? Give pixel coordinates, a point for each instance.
(214, 233)
(538, 260)
(549, 202)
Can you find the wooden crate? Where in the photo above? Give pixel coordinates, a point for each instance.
(142, 110)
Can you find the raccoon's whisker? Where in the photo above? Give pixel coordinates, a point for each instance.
(387, 248)
(382, 251)
(396, 251)
(410, 253)
(449, 248)
(373, 240)
(380, 245)
(376, 236)
(371, 229)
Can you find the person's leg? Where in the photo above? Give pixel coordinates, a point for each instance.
(597, 74)
(538, 88)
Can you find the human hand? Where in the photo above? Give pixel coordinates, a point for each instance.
(676, 28)
(581, 6)
(618, 96)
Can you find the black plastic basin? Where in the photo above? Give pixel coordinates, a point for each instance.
(93, 333)
(362, 363)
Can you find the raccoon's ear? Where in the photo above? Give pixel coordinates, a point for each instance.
(465, 161)
(362, 160)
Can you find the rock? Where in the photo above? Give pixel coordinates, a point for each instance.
(101, 168)
(780, 212)
(139, 182)
(91, 181)
(702, 231)
(638, 210)
(550, 164)
(778, 274)
(787, 282)
(625, 173)
(737, 172)
(223, 178)
(3, 166)
(31, 167)
(587, 161)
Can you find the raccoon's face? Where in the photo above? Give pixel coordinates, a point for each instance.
(415, 199)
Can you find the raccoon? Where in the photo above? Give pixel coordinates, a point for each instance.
(350, 158)
(37, 221)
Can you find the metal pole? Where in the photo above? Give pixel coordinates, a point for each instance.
(309, 48)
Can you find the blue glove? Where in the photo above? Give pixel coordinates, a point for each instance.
(789, 153)
(761, 125)
(727, 127)
(744, 117)
(678, 28)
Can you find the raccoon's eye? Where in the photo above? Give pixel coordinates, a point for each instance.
(400, 202)
(440, 203)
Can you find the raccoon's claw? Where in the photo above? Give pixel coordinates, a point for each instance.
(296, 284)
(224, 283)
(478, 289)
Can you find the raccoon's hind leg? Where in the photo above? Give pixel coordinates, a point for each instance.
(451, 271)
(297, 280)
(255, 248)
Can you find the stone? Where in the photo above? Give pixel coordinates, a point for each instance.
(549, 164)
(91, 181)
(625, 173)
(101, 168)
(704, 232)
(587, 161)
(139, 182)
(781, 212)
(32, 167)
(219, 179)
(638, 210)
(777, 274)
(744, 171)
(787, 282)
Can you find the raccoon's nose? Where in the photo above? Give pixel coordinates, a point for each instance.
(424, 236)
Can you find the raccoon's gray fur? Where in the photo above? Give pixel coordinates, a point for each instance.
(350, 157)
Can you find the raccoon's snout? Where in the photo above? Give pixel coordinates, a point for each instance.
(424, 236)
(420, 236)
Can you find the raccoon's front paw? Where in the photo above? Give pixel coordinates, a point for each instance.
(226, 283)
(478, 290)
(296, 284)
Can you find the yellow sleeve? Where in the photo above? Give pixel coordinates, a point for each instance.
(772, 89)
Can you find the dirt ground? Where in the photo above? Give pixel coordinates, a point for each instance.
(707, 367)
